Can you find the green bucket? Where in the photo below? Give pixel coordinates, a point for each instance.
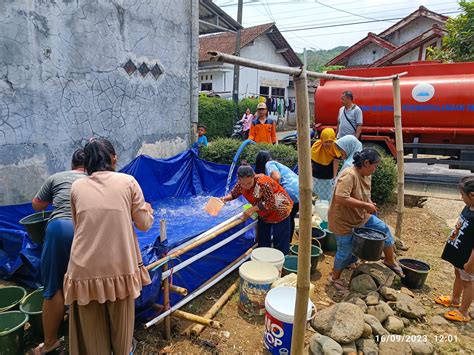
(32, 305)
(35, 225)
(316, 252)
(290, 266)
(12, 329)
(10, 297)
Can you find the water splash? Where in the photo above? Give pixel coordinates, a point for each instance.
(234, 162)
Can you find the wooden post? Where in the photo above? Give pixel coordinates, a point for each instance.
(397, 116)
(166, 285)
(196, 319)
(305, 186)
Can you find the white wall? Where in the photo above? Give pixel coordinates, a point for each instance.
(414, 29)
(367, 55)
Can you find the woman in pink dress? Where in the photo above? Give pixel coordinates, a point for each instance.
(247, 119)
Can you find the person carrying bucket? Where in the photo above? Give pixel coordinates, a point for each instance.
(352, 207)
(272, 204)
(56, 247)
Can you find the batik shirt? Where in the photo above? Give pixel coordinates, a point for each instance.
(460, 243)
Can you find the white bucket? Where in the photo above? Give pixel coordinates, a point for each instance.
(256, 278)
(269, 255)
(279, 317)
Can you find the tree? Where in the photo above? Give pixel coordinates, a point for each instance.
(458, 44)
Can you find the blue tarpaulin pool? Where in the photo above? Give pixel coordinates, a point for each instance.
(178, 188)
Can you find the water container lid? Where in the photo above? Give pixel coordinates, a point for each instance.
(259, 272)
(280, 303)
(270, 255)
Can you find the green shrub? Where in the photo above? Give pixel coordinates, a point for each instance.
(384, 180)
(218, 115)
(250, 103)
(222, 151)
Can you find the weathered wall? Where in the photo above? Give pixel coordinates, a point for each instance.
(412, 30)
(62, 81)
(367, 55)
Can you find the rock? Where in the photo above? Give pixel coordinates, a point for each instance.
(394, 347)
(400, 245)
(372, 298)
(367, 346)
(320, 344)
(438, 320)
(406, 321)
(352, 295)
(358, 302)
(394, 325)
(407, 291)
(388, 293)
(363, 284)
(409, 308)
(367, 331)
(381, 274)
(471, 314)
(381, 311)
(349, 349)
(343, 322)
(421, 347)
(374, 323)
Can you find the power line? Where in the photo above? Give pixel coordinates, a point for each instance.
(344, 11)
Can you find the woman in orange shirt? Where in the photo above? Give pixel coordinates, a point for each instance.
(272, 204)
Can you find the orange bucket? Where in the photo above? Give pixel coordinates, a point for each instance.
(214, 206)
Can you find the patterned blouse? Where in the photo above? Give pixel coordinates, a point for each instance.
(271, 198)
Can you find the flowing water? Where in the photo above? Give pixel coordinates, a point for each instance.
(234, 162)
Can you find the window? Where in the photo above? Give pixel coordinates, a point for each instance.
(278, 92)
(202, 77)
(264, 90)
(207, 77)
(211, 77)
(206, 87)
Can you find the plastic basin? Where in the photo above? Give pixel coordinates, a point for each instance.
(12, 331)
(35, 225)
(416, 272)
(368, 244)
(316, 252)
(290, 266)
(32, 305)
(10, 297)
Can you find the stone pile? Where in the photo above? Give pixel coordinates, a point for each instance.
(372, 319)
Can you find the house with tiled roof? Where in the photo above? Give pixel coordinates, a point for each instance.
(264, 43)
(406, 41)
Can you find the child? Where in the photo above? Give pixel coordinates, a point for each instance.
(202, 139)
(459, 252)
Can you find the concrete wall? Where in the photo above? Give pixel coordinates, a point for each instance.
(414, 29)
(367, 55)
(62, 81)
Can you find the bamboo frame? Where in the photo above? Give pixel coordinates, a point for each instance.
(179, 290)
(166, 285)
(397, 116)
(197, 319)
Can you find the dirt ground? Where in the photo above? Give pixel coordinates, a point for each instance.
(424, 232)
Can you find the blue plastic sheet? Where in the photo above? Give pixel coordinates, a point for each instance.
(178, 189)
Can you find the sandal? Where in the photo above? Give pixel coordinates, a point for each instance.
(395, 268)
(337, 283)
(446, 301)
(456, 316)
(39, 350)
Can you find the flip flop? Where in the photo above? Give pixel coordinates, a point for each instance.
(338, 285)
(456, 316)
(39, 350)
(446, 301)
(395, 268)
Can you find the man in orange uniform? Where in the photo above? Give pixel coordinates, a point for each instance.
(263, 129)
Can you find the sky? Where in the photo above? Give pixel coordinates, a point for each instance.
(340, 19)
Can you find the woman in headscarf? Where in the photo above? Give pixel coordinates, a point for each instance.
(325, 163)
(347, 147)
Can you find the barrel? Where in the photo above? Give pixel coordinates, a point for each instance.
(368, 244)
(256, 278)
(12, 330)
(10, 297)
(35, 225)
(279, 318)
(32, 305)
(416, 272)
(269, 255)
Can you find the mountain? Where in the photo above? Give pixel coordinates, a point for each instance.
(317, 59)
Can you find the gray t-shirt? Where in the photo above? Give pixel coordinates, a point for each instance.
(57, 190)
(354, 115)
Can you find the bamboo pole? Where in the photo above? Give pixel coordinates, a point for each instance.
(197, 319)
(166, 285)
(216, 307)
(179, 290)
(305, 187)
(197, 243)
(397, 116)
(232, 59)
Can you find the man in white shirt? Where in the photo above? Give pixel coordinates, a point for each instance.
(350, 118)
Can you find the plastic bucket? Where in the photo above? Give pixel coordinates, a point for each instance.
(416, 272)
(368, 244)
(256, 278)
(290, 266)
(321, 208)
(279, 317)
(330, 243)
(214, 206)
(12, 329)
(318, 234)
(32, 305)
(269, 255)
(10, 297)
(35, 225)
(316, 252)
